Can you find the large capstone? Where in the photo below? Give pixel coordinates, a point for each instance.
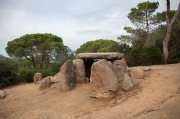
(99, 55)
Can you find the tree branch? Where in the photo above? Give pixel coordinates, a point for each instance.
(27, 58)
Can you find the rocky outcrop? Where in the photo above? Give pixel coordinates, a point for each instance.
(45, 83)
(104, 55)
(2, 94)
(37, 77)
(79, 70)
(67, 76)
(127, 83)
(119, 68)
(103, 81)
(137, 73)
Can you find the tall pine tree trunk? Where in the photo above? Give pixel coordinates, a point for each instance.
(147, 42)
(169, 30)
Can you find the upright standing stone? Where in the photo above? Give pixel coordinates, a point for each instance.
(37, 77)
(104, 82)
(67, 76)
(119, 68)
(79, 70)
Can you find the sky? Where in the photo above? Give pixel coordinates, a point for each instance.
(75, 21)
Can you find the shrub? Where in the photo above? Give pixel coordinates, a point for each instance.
(26, 75)
(174, 53)
(8, 71)
(144, 56)
(47, 72)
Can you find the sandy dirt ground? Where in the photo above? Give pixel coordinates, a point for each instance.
(157, 96)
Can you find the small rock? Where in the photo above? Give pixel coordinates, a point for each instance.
(113, 101)
(42, 93)
(87, 80)
(146, 68)
(127, 83)
(137, 73)
(45, 117)
(164, 116)
(2, 94)
(55, 78)
(45, 83)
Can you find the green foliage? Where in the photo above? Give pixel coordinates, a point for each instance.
(136, 37)
(44, 53)
(142, 17)
(174, 54)
(99, 45)
(8, 71)
(48, 72)
(159, 35)
(54, 68)
(144, 56)
(174, 44)
(143, 14)
(160, 16)
(26, 75)
(37, 48)
(61, 55)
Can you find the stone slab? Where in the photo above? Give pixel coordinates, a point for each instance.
(101, 55)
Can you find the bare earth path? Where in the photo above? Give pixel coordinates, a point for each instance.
(157, 96)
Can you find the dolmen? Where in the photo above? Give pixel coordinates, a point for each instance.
(104, 71)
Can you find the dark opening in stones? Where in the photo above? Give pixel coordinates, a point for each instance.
(88, 63)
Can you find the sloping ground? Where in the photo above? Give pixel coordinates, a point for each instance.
(157, 96)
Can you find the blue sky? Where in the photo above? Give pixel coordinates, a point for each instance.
(75, 21)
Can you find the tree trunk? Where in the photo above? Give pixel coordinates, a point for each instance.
(169, 30)
(147, 43)
(42, 60)
(165, 47)
(33, 62)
